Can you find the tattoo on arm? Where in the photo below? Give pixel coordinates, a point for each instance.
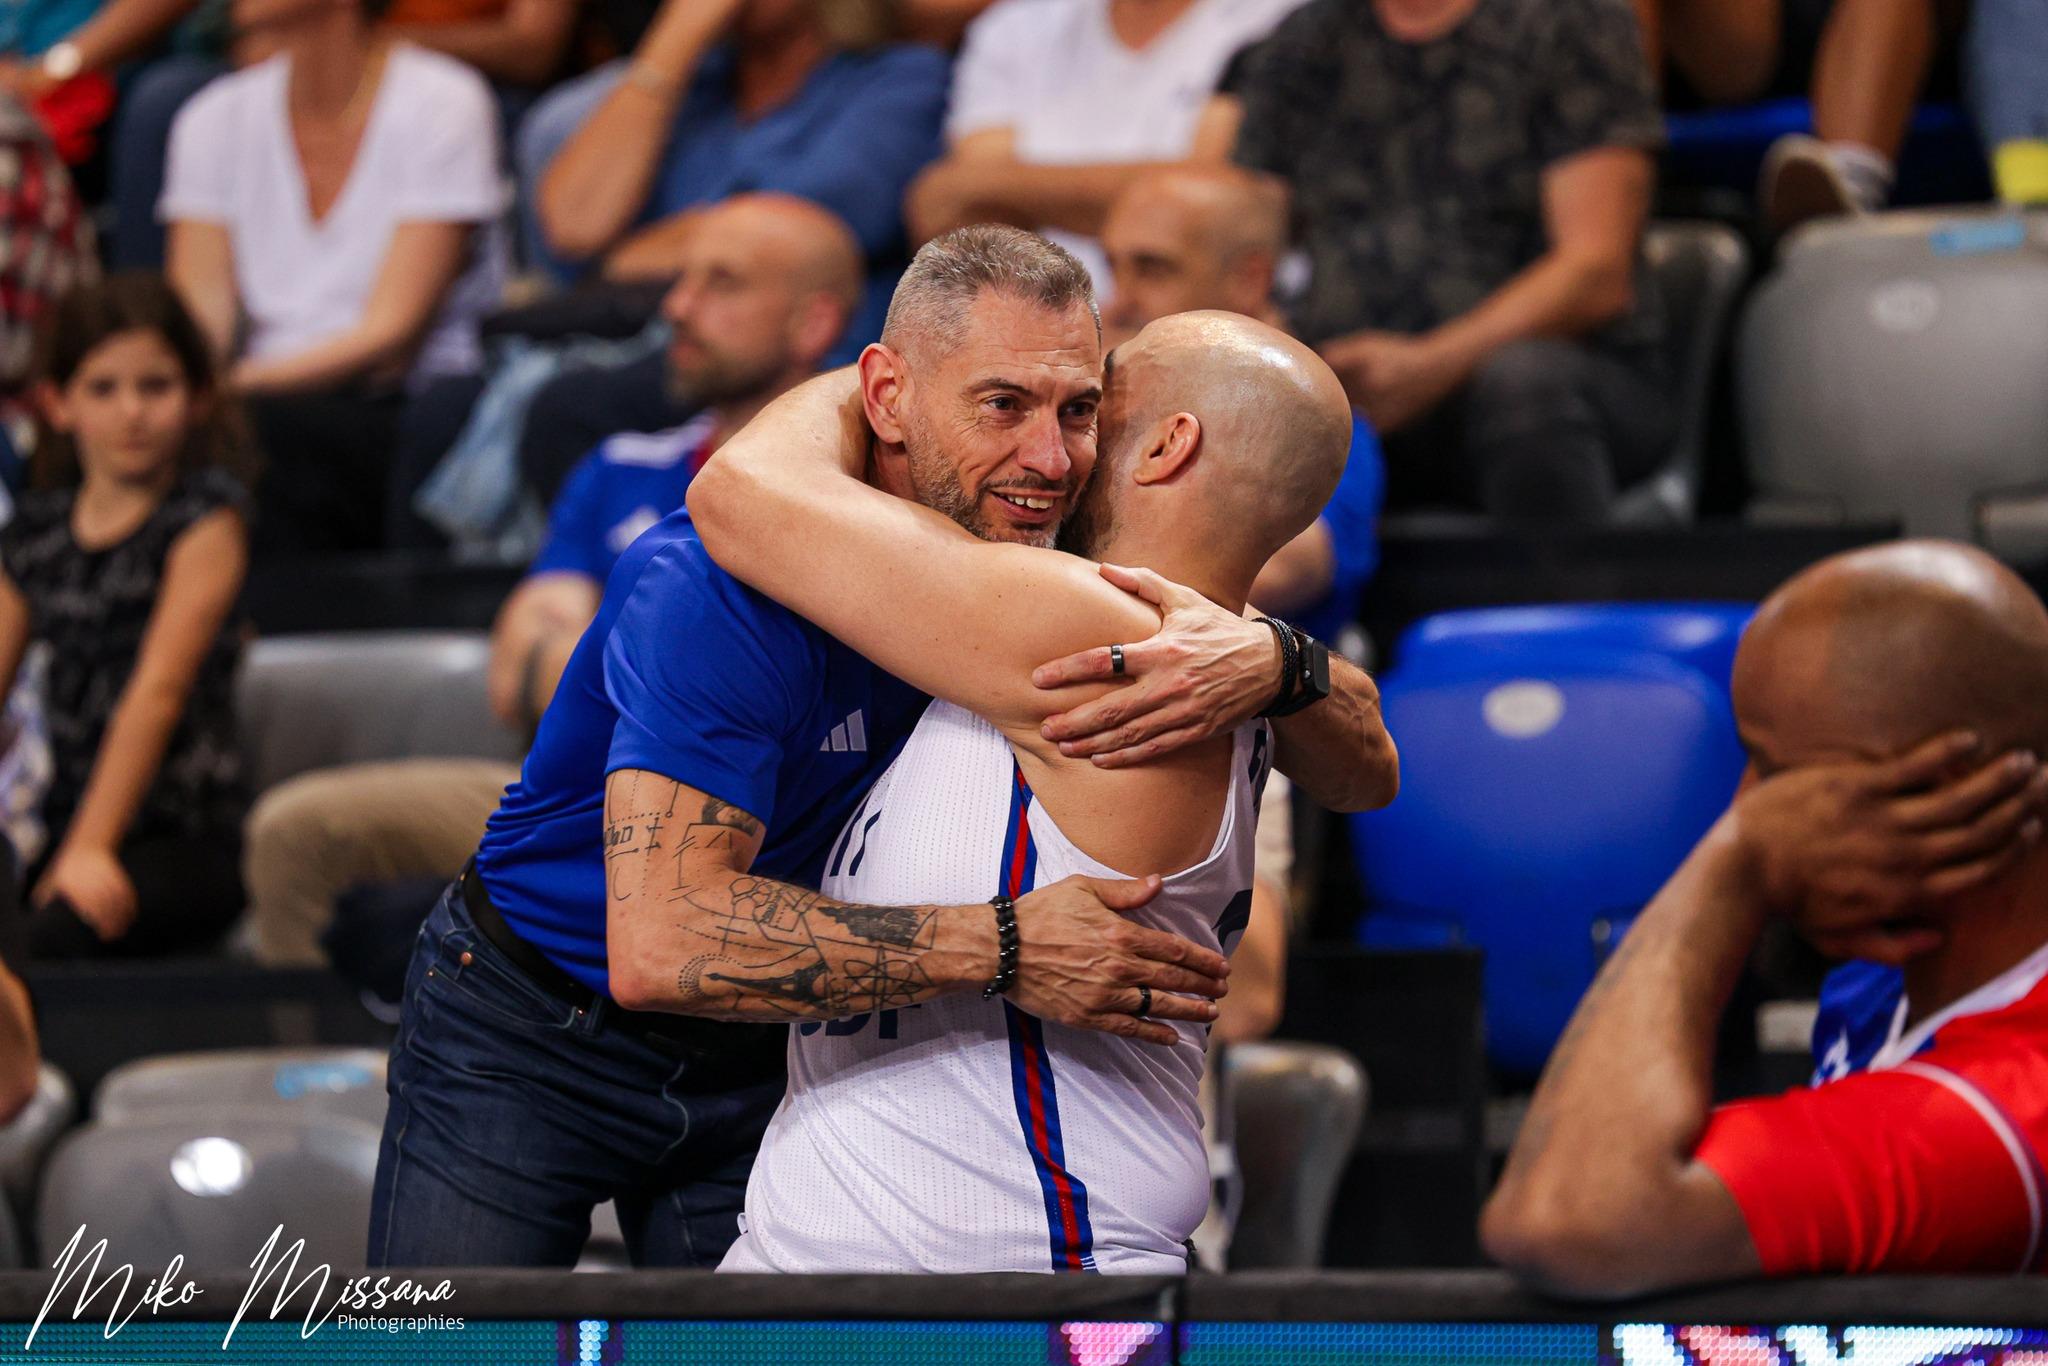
(750, 947)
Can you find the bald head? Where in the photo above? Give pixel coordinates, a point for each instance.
(767, 284)
(1194, 237)
(1265, 422)
(813, 245)
(1871, 652)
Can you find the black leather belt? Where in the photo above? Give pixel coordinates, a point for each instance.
(721, 1049)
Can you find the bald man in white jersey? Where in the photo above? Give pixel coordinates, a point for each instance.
(965, 1134)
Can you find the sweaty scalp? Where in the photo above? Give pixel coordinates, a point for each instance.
(1911, 639)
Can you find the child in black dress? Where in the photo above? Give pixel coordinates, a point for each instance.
(128, 559)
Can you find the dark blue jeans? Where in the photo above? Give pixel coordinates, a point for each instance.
(513, 1113)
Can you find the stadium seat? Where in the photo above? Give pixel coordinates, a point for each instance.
(26, 1140)
(1703, 635)
(312, 701)
(1297, 1108)
(1547, 793)
(1893, 368)
(338, 1081)
(1723, 149)
(1700, 268)
(212, 1185)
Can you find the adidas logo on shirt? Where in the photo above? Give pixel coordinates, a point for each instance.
(848, 737)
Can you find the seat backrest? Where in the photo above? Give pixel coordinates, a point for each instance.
(1703, 635)
(212, 1187)
(1547, 794)
(1296, 1110)
(340, 1081)
(1699, 269)
(26, 1140)
(313, 701)
(1898, 369)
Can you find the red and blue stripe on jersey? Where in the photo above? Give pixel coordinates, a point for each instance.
(1031, 1074)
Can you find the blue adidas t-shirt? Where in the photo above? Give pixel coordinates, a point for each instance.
(687, 673)
(1352, 515)
(620, 489)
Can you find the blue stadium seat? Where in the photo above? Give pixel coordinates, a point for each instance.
(1941, 162)
(1700, 634)
(1549, 787)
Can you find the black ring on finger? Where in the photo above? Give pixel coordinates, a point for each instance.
(1116, 660)
(1144, 1002)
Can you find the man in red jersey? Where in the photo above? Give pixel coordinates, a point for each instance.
(1895, 704)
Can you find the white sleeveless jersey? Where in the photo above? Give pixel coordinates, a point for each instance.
(964, 1134)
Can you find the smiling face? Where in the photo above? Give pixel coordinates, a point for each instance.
(1000, 429)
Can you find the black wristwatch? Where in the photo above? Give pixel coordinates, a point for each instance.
(1304, 670)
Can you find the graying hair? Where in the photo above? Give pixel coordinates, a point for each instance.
(952, 270)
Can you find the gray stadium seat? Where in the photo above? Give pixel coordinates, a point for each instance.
(337, 1081)
(313, 701)
(1297, 1111)
(212, 1186)
(1897, 368)
(1699, 269)
(26, 1140)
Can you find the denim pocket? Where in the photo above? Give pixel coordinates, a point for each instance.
(472, 967)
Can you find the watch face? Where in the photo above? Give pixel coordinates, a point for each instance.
(1319, 669)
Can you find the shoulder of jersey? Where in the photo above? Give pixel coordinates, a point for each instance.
(656, 450)
(2022, 1026)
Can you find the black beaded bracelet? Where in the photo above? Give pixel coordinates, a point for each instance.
(1290, 666)
(1006, 948)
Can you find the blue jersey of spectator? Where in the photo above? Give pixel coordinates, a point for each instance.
(623, 487)
(688, 674)
(1352, 518)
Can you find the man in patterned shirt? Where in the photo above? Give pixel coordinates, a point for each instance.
(1471, 178)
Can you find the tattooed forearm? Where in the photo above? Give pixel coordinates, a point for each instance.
(769, 948)
(693, 931)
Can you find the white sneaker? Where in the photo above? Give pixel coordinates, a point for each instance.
(1802, 180)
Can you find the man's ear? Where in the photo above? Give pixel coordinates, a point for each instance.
(1250, 281)
(884, 389)
(816, 327)
(1169, 449)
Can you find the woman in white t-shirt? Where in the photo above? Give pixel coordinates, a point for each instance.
(334, 225)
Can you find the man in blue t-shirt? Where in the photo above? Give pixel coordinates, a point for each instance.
(1196, 237)
(767, 285)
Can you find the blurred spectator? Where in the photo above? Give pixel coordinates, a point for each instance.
(1058, 103)
(1471, 177)
(1919, 1147)
(1864, 60)
(938, 22)
(333, 208)
(724, 96)
(768, 284)
(1196, 237)
(128, 561)
(43, 49)
(2007, 70)
(45, 248)
(517, 44)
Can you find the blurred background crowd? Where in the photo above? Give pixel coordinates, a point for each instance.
(310, 309)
